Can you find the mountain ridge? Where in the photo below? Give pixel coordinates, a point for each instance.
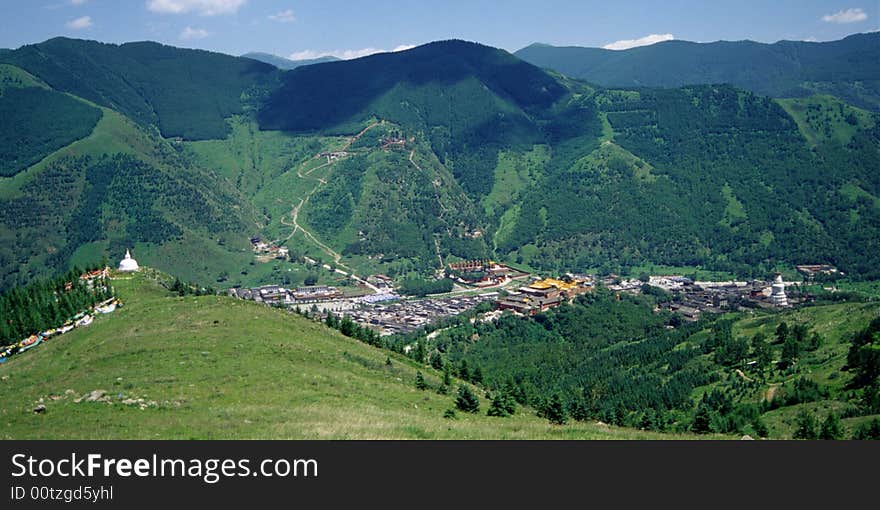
(286, 63)
(481, 153)
(780, 69)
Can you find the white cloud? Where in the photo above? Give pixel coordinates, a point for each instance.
(626, 44)
(77, 2)
(286, 16)
(193, 33)
(847, 16)
(346, 54)
(203, 7)
(80, 23)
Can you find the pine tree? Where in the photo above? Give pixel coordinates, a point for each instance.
(420, 352)
(781, 332)
(702, 419)
(436, 361)
(556, 412)
(477, 376)
(466, 400)
(347, 326)
(463, 370)
(807, 426)
(831, 428)
(447, 374)
(420, 381)
(503, 405)
(760, 427)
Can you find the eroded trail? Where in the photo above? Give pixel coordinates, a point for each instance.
(296, 208)
(443, 210)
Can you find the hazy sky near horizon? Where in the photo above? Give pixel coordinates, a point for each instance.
(310, 28)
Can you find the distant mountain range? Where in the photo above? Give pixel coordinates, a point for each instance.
(847, 68)
(286, 63)
(399, 162)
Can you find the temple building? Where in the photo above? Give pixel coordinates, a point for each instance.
(128, 264)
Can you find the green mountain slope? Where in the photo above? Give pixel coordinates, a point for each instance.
(848, 68)
(398, 162)
(119, 187)
(466, 98)
(213, 367)
(663, 188)
(186, 93)
(36, 120)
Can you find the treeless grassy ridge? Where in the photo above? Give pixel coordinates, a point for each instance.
(216, 368)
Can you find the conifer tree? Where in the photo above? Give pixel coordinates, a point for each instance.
(420, 381)
(556, 412)
(831, 428)
(503, 405)
(807, 426)
(466, 400)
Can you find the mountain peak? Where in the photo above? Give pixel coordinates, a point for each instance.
(345, 90)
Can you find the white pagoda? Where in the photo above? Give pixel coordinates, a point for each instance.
(777, 292)
(128, 264)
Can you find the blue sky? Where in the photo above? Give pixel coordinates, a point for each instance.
(309, 28)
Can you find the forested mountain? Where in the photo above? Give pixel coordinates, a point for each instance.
(186, 93)
(846, 68)
(80, 181)
(396, 162)
(286, 63)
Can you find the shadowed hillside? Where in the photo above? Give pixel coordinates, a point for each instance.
(186, 93)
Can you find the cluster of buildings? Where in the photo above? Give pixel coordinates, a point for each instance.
(392, 142)
(406, 316)
(269, 251)
(483, 273)
(543, 295)
(811, 271)
(277, 295)
(333, 156)
(692, 299)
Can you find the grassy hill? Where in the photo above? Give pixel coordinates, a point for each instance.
(214, 367)
(846, 68)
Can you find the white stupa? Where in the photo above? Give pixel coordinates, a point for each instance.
(777, 292)
(128, 264)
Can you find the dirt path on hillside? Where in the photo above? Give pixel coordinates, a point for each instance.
(743, 375)
(296, 208)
